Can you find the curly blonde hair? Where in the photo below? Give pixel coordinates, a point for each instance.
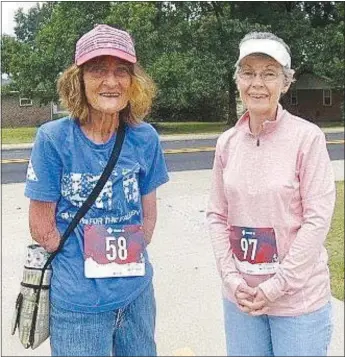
(71, 91)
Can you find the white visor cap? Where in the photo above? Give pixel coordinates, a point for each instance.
(271, 48)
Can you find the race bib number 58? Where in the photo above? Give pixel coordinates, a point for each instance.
(254, 250)
(114, 251)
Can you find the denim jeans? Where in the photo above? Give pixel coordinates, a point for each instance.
(267, 335)
(123, 332)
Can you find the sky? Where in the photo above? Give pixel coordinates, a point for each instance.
(8, 8)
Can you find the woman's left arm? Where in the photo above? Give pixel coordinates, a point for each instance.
(317, 190)
(149, 214)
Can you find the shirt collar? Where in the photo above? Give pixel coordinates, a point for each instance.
(268, 126)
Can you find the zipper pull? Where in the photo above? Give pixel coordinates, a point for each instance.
(257, 142)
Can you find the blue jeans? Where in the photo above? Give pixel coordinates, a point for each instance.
(265, 335)
(123, 332)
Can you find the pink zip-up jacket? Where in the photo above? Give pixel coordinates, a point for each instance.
(282, 180)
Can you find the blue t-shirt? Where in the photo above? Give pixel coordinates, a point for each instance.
(64, 167)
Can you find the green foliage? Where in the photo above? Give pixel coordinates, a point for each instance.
(27, 26)
(46, 50)
(9, 50)
(190, 128)
(189, 48)
(9, 90)
(328, 48)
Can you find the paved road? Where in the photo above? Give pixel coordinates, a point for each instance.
(171, 144)
(181, 155)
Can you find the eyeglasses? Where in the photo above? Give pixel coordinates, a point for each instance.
(266, 76)
(99, 71)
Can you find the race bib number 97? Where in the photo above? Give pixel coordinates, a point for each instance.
(254, 250)
(114, 251)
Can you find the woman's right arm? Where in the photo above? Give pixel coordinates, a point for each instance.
(43, 188)
(43, 224)
(217, 219)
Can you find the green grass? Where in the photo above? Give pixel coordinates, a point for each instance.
(335, 245)
(17, 135)
(27, 135)
(331, 124)
(190, 128)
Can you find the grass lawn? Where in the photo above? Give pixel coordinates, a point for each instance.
(335, 245)
(190, 128)
(27, 135)
(331, 124)
(17, 135)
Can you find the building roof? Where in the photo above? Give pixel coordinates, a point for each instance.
(311, 81)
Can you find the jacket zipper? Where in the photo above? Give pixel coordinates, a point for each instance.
(258, 135)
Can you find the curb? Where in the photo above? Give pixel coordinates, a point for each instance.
(7, 147)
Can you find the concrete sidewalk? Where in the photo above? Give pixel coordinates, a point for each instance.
(187, 285)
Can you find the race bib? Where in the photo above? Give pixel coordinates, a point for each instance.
(254, 250)
(114, 251)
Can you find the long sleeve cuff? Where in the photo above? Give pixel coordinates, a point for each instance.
(271, 289)
(233, 283)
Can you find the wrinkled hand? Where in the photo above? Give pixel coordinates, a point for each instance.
(260, 303)
(251, 300)
(244, 295)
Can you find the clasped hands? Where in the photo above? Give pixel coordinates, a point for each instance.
(251, 300)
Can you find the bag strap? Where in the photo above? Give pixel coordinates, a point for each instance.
(80, 214)
(95, 192)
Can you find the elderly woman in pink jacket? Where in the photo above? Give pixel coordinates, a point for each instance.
(271, 203)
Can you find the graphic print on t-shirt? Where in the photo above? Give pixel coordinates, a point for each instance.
(30, 174)
(76, 187)
(254, 250)
(130, 184)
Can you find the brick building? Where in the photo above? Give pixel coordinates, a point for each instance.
(17, 111)
(313, 98)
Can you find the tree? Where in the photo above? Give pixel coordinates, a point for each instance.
(165, 42)
(9, 49)
(28, 25)
(327, 53)
(46, 37)
(189, 48)
(313, 30)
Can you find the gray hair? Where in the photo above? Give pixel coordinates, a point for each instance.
(264, 36)
(288, 72)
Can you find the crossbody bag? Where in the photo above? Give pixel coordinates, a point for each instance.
(31, 315)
